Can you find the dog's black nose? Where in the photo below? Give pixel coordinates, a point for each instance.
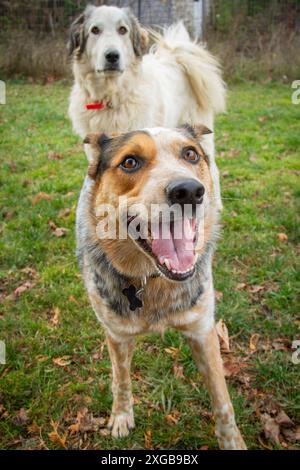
(187, 191)
(112, 56)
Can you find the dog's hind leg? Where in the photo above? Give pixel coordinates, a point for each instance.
(122, 419)
(206, 351)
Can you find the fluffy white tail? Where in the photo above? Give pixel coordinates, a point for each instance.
(200, 66)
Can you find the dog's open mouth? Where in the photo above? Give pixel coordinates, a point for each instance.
(171, 246)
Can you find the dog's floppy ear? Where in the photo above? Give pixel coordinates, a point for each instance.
(77, 38)
(139, 36)
(197, 130)
(96, 143)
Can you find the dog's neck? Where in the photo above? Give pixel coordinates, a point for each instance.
(116, 89)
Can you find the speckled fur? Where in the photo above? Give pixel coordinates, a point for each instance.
(187, 306)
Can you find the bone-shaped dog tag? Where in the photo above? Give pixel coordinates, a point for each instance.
(134, 301)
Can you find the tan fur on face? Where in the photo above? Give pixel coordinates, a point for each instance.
(162, 162)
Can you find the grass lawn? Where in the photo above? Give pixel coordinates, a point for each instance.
(55, 385)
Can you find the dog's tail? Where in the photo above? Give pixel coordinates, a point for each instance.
(201, 67)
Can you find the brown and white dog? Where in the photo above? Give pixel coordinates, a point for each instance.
(156, 280)
(120, 87)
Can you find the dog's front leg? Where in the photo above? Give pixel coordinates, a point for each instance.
(206, 351)
(122, 419)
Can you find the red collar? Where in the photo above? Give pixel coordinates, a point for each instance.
(98, 105)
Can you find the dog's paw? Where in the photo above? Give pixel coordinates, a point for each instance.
(121, 424)
(231, 441)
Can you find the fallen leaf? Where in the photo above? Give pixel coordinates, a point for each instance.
(240, 286)
(70, 194)
(283, 420)
(21, 417)
(253, 158)
(218, 295)
(148, 439)
(171, 419)
(253, 342)
(282, 237)
(232, 367)
(262, 119)
(254, 289)
(281, 344)
(270, 427)
(64, 212)
(30, 271)
(223, 335)
(52, 155)
(290, 435)
(234, 153)
(62, 361)
(57, 231)
(55, 316)
(24, 287)
(33, 428)
(178, 371)
(172, 351)
(55, 437)
(40, 196)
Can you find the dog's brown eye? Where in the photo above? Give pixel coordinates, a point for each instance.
(95, 30)
(190, 155)
(122, 30)
(130, 164)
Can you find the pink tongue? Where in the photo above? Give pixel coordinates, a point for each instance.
(177, 244)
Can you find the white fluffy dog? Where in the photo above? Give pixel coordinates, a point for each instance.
(118, 87)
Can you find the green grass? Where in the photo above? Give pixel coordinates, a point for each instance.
(258, 144)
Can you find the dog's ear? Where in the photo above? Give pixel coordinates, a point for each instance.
(139, 36)
(96, 143)
(77, 39)
(197, 130)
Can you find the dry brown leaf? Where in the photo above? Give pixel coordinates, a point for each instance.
(270, 427)
(254, 341)
(41, 195)
(223, 336)
(172, 351)
(253, 158)
(254, 289)
(282, 237)
(31, 272)
(283, 420)
(171, 419)
(233, 153)
(262, 119)
(55, 316)
(178, 371)
(55, 437)
(52, 155)
(33, 428)
(24, 287)
(231, 367)
(148, 439)
(62, 361)
(241, 286)
(218, 295)
(292, 436)
(64, 213)
(21, 417)
(281, 344)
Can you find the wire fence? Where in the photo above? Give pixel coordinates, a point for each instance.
(54, 16)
